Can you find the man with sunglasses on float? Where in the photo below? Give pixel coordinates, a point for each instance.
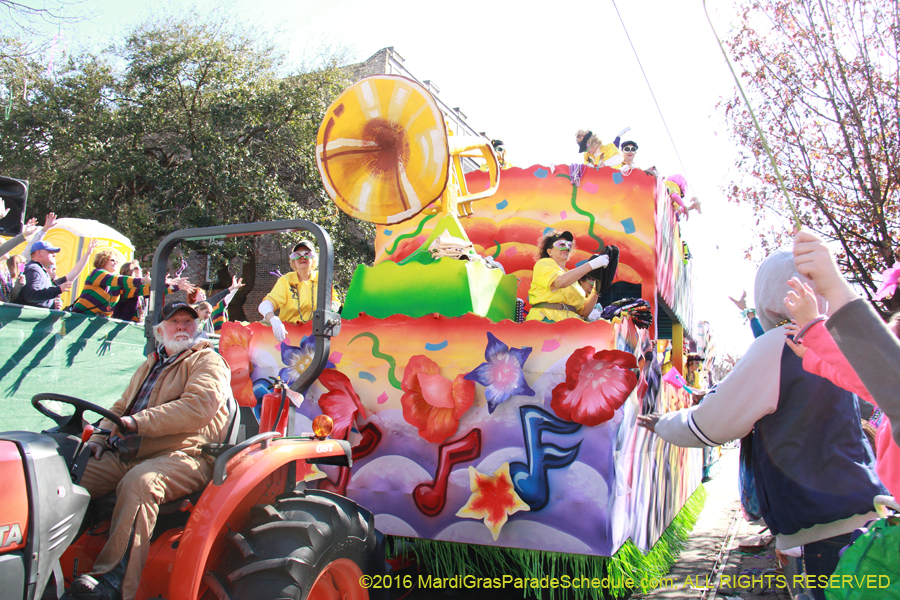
(555, 293)
(294, 294)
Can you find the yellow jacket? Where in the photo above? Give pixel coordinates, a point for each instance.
(545, 273)
(297, 299)
(607, 151)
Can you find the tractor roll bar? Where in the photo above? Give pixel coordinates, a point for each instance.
(325, 322)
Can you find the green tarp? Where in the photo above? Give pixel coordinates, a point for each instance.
(41, 350)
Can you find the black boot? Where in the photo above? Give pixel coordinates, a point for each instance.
(86, 587)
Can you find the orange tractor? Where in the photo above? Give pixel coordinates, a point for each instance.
(255, 532)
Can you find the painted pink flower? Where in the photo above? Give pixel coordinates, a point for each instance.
(889, 280)
(596, 385)
(341, 402)
(432, 403)
(234, 346)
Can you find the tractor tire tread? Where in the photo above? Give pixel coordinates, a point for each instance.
(284, 546)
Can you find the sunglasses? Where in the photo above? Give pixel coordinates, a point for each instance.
(629, 148)
(562, 245)
(301, 254)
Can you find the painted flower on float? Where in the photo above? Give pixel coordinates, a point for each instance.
(432, 403)
(297, 359)
(502, 375)
(234, 346)
(341, 402)
(596, 385)
(889, 280)
(493, 499)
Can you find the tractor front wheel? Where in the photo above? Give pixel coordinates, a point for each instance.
(312, 545)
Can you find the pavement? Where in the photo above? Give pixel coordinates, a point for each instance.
(712, 566)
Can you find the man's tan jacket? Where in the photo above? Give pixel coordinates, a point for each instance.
(187, 406)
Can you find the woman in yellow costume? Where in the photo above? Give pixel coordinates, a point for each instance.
(596, 153)
(294, 294)
(555, 293)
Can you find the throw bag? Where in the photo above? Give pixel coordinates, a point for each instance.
(749, 501)
(873, 560)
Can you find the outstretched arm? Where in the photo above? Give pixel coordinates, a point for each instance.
(570, 277)
(870, 347)
(82, 262)
(729, 411)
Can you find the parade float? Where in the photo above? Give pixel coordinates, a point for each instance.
(482, 444)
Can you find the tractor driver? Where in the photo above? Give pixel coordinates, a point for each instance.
(175, 403)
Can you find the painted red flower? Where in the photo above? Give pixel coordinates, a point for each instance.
(432, 403)
(596, 385)
(341, 402)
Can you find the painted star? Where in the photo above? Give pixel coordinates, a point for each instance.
(493, 499)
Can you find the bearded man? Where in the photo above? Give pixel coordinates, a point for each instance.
(175, 403)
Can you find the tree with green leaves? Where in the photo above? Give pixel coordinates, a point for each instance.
(823, 78)
(186, 123)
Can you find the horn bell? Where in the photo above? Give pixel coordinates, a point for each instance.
(382, 150)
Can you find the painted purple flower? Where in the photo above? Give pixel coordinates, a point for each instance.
(501, 375)
(297, 359)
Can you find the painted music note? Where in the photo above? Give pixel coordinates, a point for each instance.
(371, 436)
(431, 497)
(530, 480)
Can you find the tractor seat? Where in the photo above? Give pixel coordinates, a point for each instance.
(105, 504)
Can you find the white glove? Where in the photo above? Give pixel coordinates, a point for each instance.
(623, 132)
(278, 329)
(600, 261)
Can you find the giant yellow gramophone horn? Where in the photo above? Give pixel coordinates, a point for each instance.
(382, 150)
(384, 155)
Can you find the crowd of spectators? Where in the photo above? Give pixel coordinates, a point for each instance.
(111, 289)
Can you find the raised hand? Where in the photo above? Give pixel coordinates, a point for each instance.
(742, 303)
(49, 221)
(801, 302)
(814, 260)
(182, 283)
(30, 228)
(236, 282)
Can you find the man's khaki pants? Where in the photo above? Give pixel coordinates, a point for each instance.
(141, 486)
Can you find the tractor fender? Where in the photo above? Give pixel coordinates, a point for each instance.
(225, 506)
(13, 499)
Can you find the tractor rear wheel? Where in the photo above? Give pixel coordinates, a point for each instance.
(307, 546)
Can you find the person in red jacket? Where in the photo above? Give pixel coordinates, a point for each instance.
(821, 356)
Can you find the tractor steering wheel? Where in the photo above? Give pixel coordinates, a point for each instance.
(73, 424)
